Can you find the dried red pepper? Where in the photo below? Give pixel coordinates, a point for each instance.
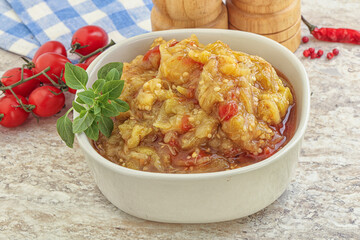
(343, 35)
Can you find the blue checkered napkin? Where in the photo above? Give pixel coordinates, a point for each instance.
(14, 35)
(59, 19)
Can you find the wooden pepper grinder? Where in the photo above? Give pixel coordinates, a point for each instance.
(275, 19)
(170, 14)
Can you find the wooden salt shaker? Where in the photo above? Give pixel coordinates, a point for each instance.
(171, 14)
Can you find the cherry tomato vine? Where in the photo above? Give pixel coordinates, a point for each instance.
(38, 86)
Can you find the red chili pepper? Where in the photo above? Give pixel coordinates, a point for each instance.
(343, 35)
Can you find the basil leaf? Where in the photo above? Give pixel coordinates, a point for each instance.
(120, 105)
(101, 98)
(82, 113)
(65, 130)
(109, 110)
(77, 107)
(106, 68)
(76, 77)
(113, 74)
(98, 85)
(81, 123)
(104, 98)
(106, 125)
(79, 100)
(97, 109)
(114, 88)
(93, 131)
(87, 97)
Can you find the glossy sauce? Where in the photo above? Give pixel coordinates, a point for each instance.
(183, 162)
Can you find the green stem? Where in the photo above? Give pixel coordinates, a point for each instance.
(22, 72)
(27, 108)
(80, 55)
(28, 64)
(24, 80)
(83, 58)
(309, 25)
(27, 61)
(77, 46)
(68, 111)
(52, 81)
(1, 116)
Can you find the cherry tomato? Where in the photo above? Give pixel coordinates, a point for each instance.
(228, 110)
(50, 46)
(48, 100)
(90, 38)
(14, 75)
(55, 61)
(91, 59)
(83, 66)
(10, 114)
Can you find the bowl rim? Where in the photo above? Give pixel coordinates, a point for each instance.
(87, 147)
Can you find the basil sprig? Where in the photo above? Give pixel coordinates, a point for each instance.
(95, 105)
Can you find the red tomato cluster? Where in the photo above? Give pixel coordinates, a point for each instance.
(39, 94)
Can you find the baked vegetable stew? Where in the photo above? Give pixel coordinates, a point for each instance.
(199, 108)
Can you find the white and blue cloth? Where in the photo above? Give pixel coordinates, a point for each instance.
(26, 24)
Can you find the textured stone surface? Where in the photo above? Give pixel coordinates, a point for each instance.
(47, 191)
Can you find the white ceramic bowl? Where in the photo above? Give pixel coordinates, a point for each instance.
(203, 197)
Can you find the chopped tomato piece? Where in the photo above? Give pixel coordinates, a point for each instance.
(154, 51)
(202, 154)
(173, 43)
(191, 62)
(267, 151)
(173, 142)
(188, 60)
(185, 124)
(228, 110)
(192, 43)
